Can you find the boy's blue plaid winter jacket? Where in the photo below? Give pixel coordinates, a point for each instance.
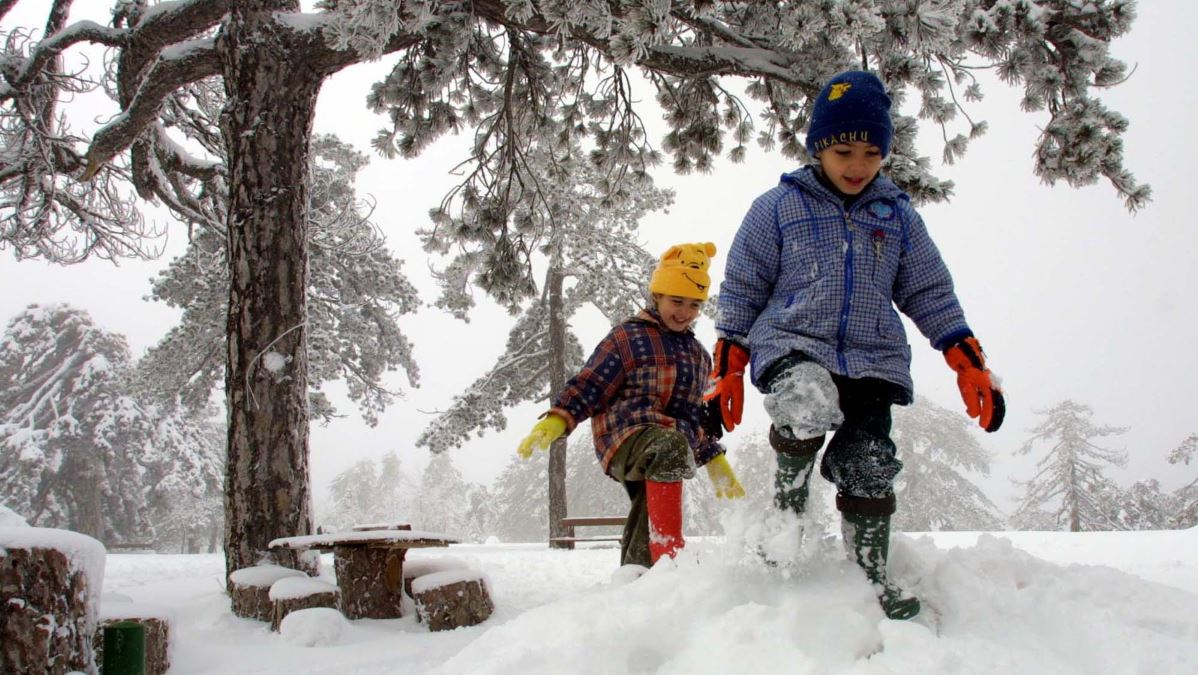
(806, 275)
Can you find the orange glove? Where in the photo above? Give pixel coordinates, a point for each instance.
(726, 386)
(983, 398)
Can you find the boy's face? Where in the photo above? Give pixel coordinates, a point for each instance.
(677, 312)
(851, 166)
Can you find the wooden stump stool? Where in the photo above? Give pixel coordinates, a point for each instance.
(155, 620)
(291, 594)
(250, 590)
(414, 569)
(49, 594)
(452, 599)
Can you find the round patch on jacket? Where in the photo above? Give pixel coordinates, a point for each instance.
(882, 210)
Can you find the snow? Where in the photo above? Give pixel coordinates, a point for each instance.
(83, 553)
(331, 538)
(418, 567)
(1019, 602)
(274, 362)
(313, 627)
(10, 518)
(262, 575)
(289, 588)
(446, 578)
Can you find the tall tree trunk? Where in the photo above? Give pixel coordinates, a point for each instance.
(84, 476)
(557, 380)
(266, 124)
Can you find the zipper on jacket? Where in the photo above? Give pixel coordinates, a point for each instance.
(842, 328)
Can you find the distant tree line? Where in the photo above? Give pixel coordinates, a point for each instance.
(88, 444)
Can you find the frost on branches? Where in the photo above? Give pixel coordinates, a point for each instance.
(589, 239)
(521, 69)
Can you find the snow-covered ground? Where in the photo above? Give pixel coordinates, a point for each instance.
(1006, 603)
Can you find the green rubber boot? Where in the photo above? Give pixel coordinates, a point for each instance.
(865, 525)
(795, 461)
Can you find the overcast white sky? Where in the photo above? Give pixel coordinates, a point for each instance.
(1071, 296)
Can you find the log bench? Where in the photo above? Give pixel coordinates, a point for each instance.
(571, 523)
(369, 566)
(291, 594)
(249, 588)
(50, 584)
(452, 599)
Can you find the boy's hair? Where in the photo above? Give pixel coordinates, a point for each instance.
(853, 106)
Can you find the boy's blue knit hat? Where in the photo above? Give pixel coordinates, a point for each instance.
(853, 106)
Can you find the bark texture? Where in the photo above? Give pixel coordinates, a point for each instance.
(371, 581)
(46, 618)
(462, 603)
(266, 125)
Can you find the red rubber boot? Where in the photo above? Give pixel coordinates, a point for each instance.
(663, 501)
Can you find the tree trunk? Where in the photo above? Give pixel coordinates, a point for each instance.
(84, 476)
(266, 124)
(557, 380)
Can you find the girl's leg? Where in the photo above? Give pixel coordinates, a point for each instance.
(652, 465)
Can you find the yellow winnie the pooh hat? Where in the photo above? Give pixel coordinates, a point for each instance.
(682, 271)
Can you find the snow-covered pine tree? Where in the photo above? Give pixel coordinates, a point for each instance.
(462, 63)
(1069, 482)
(356, 296)
(352, 497)
(185, 470)
(1186, 496)
(449, 504)
(1144, 506)
(937, 448)
(73, 447)
(396, 490)
(521, 498)
(366, 493)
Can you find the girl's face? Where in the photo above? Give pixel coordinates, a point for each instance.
(851, 166)
(677, 312)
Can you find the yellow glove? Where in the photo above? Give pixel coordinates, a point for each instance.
(723, 479)
(543, 433)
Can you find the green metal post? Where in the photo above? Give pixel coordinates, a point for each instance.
(124, 649)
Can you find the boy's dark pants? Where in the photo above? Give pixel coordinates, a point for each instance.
(651, 454)
(860, 458)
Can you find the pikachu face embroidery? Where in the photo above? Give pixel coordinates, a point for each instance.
(838, 90)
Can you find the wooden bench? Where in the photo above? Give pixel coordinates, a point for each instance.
(589, 521)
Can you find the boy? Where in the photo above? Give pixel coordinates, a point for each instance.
(643, 386)
(813, 278)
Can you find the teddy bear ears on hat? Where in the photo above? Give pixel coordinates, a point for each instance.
(697, 255)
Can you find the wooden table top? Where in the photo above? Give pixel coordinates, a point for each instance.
(366, 538)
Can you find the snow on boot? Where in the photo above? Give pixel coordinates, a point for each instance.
(796, 458)
(865, 526)
(663, 501)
